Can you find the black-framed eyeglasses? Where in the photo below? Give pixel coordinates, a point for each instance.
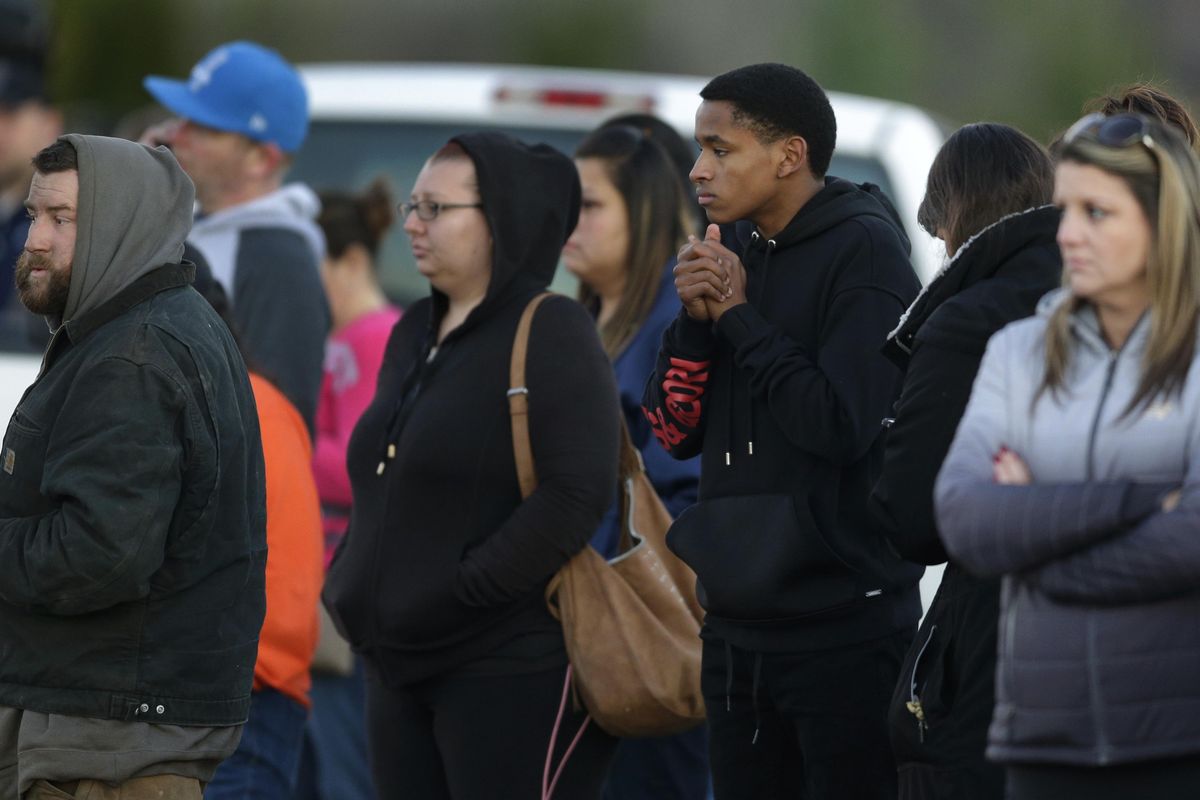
(1118, 130)
(428, 210)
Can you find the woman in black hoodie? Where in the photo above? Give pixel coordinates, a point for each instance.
(987, 198)
(439, 583)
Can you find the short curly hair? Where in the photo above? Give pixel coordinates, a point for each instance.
(58, 156)
(774, 101)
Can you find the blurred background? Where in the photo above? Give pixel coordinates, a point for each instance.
(1024, 63)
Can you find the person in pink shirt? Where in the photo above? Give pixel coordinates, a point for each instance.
(334, 764)
(362, 319)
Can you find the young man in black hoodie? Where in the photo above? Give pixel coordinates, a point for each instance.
(772, 372)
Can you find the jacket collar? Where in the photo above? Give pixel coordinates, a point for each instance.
(1085, 326)
(168, 276)
(979, 258)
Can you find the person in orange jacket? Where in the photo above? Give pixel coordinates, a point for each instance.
(268, 757)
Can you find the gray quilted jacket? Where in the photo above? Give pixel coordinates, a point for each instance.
(1099, 641)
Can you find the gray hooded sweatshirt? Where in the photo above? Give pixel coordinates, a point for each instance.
(127, 227)
(265, 253)
(1099, 646)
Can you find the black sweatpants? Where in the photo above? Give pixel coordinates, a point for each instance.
(802, 726)
(466, 737)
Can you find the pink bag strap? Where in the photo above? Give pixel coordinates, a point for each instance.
(548, 784)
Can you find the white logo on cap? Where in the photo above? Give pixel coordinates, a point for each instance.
(258, 123)
(202, 73)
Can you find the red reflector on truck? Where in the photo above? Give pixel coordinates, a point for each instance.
(565, 97)
(568, 100)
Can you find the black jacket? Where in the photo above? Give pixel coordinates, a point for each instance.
(133, 517)
(783, 399)
(444, 566)
(995, 278)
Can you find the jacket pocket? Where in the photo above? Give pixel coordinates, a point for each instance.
(920, 701)
(344, 592)
(761, 558)
(22, 462)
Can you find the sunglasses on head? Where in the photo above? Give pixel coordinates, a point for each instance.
(1118, 130)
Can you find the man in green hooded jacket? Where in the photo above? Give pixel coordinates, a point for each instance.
(132, 510)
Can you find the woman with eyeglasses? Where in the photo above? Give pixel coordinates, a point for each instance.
(634, 217)
(988, 199)
(439, 582)
(1075, 475)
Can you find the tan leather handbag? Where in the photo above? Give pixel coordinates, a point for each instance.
(632, 623)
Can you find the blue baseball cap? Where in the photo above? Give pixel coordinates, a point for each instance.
(244, 88)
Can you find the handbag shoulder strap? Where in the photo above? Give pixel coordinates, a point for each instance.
(518, 399)
(630, 463)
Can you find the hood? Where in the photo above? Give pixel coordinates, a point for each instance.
(135, 210)
(979, 258)
(839, 201)
(531, 197)
(293, 207)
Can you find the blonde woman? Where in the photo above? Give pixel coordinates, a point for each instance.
(1075, 474)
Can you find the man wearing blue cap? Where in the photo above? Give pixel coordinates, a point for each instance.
(243, 114)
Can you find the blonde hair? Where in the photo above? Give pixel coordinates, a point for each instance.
(1165, 180)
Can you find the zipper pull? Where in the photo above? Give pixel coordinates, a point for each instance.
(914, 708)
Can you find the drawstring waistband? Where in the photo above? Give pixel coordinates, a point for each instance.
(755, 681)
(754, 696)
(728, 676)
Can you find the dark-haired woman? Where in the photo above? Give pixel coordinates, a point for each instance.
(988, 199)
(633, 219)
(335, 757)
(682, 153)
(1075, 475)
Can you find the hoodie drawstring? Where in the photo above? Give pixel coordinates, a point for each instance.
(410, 388)
(761, 293)
(729, 405)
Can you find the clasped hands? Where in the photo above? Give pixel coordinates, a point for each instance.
(709, 277)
